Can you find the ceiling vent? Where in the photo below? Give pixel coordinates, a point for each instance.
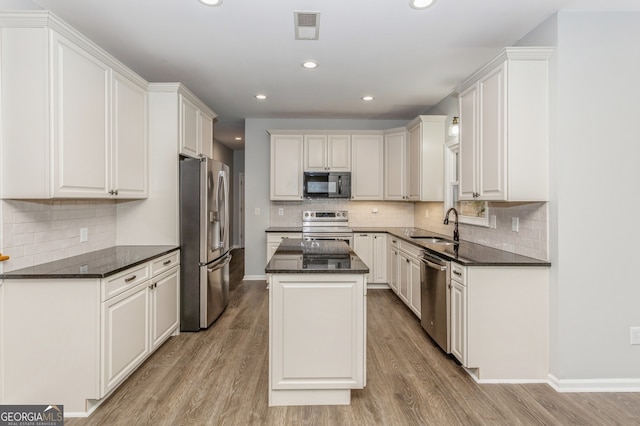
(307, 25)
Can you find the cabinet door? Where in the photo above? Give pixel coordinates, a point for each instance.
(367, 167)
(315, 153)
(394, 261)
(404, 277)
(129, 152)
(80, 122)
(468, 102)
(206, 135)
(414, 156)
(164, 306)
(395, 162)
(458, 318)
(414, 286)
(339, 153)
(379, 258)
(363, 246)
(189, 128)
(286, 167)
(492, 135)
(310, 354)
(125, 335)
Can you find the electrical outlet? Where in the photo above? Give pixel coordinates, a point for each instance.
(256, 211)
(515, 224)
(280, 211)
(84, 235)
(374, 210)
(426, 212)
(635, 335)
(493, 221)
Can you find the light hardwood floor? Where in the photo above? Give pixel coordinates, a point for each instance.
(219, 376)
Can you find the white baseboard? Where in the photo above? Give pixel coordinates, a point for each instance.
(378, 286)
(594, 385)
(474, 375)
(254, 278)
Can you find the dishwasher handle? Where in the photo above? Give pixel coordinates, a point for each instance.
(434, 262)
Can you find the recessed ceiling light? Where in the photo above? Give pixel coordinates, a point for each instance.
(421, 4)
(310, 65)
(238, 138)
(211, 2)
(261, 97)
(367, 98)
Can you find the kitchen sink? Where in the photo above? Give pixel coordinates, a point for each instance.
(434, 240)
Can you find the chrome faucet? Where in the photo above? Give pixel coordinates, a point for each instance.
(456, 235)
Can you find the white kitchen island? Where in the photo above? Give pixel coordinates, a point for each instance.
(317, 323)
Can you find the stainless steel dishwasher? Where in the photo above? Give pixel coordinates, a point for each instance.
(434, 298)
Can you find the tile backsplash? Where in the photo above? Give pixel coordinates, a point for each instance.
(35, 231)
(531, 239)
(361, 213)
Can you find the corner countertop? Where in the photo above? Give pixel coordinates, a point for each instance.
(95, 264)
(465, 252)
(297, 256)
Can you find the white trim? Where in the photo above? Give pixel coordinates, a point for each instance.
(472, 373)
(378, 286)
(254, 278)
(594, 385)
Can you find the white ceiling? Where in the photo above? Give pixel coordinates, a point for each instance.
(408, 59)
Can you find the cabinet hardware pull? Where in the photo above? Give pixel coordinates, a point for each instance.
(155, 285)
(457, 273)
(407, 260)
(151, 287)
(128, 280)
(166, 262)
(364, 235)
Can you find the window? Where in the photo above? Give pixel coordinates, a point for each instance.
(470, 212)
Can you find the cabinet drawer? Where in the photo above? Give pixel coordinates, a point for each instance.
(458, 273)
(124, 280)
(165, 263)
(393, 241)
(410, 249)
(278, 237)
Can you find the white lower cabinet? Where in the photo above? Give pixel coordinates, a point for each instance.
(372, 249)
(275, 238)
(393, 260)
(314, 362)
(96, 332)
(137, 321)
(458, 314)
(408, 274)
(499, 321)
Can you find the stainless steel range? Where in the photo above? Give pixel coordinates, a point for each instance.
(327, 225)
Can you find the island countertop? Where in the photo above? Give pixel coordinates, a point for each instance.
(95, 264)
(298, 256)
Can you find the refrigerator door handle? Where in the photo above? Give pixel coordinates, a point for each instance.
(222, 206)
(220, 263)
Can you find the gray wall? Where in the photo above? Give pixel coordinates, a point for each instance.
(257, 175)
(594, 153)
(238, 167)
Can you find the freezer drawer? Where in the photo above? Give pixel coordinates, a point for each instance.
(214, 290)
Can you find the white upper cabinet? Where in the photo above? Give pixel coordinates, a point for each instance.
(395, 164)
(327, 153)
(130, 156)
(196, 126)
(504, 132)
(425, 158)
(286, 166)
(74, 118)
(367, 167)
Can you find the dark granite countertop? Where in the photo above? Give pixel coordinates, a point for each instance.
(465, 253)
(297, 256)
(96, 264)
(284, 229)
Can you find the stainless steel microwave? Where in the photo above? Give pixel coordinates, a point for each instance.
(327, 185)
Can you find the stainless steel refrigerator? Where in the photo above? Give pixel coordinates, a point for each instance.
(204, 242)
